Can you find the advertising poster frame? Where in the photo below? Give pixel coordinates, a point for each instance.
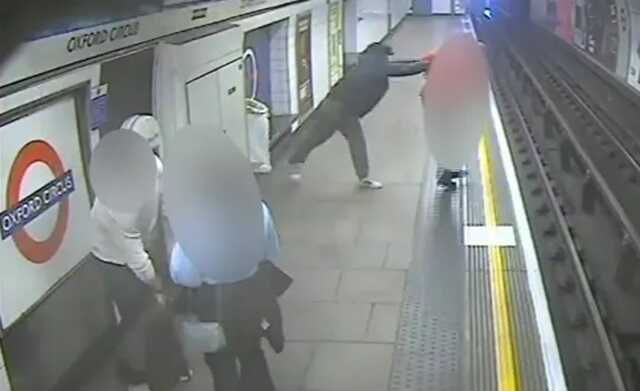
(336, 41)
(303, 63)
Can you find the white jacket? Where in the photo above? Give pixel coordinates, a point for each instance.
(116, 240)
(118, 237)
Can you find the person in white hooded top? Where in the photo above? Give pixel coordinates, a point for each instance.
(117, 238)
(120, 246)
(131, 280)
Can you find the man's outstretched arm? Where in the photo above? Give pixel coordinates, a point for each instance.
(406, 68)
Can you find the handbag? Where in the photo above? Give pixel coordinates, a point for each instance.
(198, 336)
(202, 337)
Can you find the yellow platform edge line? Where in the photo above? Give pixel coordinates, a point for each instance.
(508, 368)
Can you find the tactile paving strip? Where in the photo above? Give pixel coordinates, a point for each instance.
(428, 354)
(481, 373)
(480, 347)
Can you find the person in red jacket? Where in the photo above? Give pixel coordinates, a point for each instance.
(445, 176)
(454, 99)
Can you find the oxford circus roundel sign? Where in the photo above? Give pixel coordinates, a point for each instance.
(21, 212)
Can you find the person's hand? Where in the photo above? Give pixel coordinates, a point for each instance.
(156, 284)
(428, 58)
(161, 299)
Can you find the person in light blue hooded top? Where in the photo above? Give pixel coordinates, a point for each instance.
(184, 273)
(248, 311)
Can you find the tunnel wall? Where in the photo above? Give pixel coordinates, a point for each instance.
(607, 31)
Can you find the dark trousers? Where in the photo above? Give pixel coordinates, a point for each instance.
(129, 294)
(446, 177)
(240, 371)
(142, 331)
(241, 307)
(322, 129)
(130, 297)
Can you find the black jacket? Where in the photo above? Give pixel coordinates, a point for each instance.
(241, 306)
(364, 85)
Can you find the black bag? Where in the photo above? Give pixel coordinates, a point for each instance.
(165, 358)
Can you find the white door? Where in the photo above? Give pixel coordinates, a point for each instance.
(231, 92)
(350, 31)
(373, 22)
(203, 101)
(441, 6)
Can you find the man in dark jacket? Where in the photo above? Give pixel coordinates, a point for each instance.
(351, 99)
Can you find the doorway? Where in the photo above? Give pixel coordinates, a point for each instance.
(266, 65)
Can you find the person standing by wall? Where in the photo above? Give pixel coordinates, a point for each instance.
(132, 283)
(121, 247)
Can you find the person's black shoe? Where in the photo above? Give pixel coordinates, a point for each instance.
(445, 180)
(457, 174)
(447, 186)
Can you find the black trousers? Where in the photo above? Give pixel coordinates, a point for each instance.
(145, 332)
(240, 371)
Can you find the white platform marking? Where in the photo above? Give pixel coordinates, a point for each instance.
(481, 235)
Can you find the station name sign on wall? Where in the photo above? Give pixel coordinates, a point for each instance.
(251, 3)
(36, 203)
(53, 52)
(44, 203)
(101, 36)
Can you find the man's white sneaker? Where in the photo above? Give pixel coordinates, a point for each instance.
(186, 377)
(263, 169)
(367, 183)
(295, 177)
(295, 172)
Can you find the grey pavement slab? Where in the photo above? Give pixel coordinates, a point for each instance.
(313, 285)
(326, 321)
(399, 255)
(383, 325)
(372, 286)
(350, 367)
(289, 368)
(356, 255)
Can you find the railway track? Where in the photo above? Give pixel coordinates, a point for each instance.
(579, 168)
